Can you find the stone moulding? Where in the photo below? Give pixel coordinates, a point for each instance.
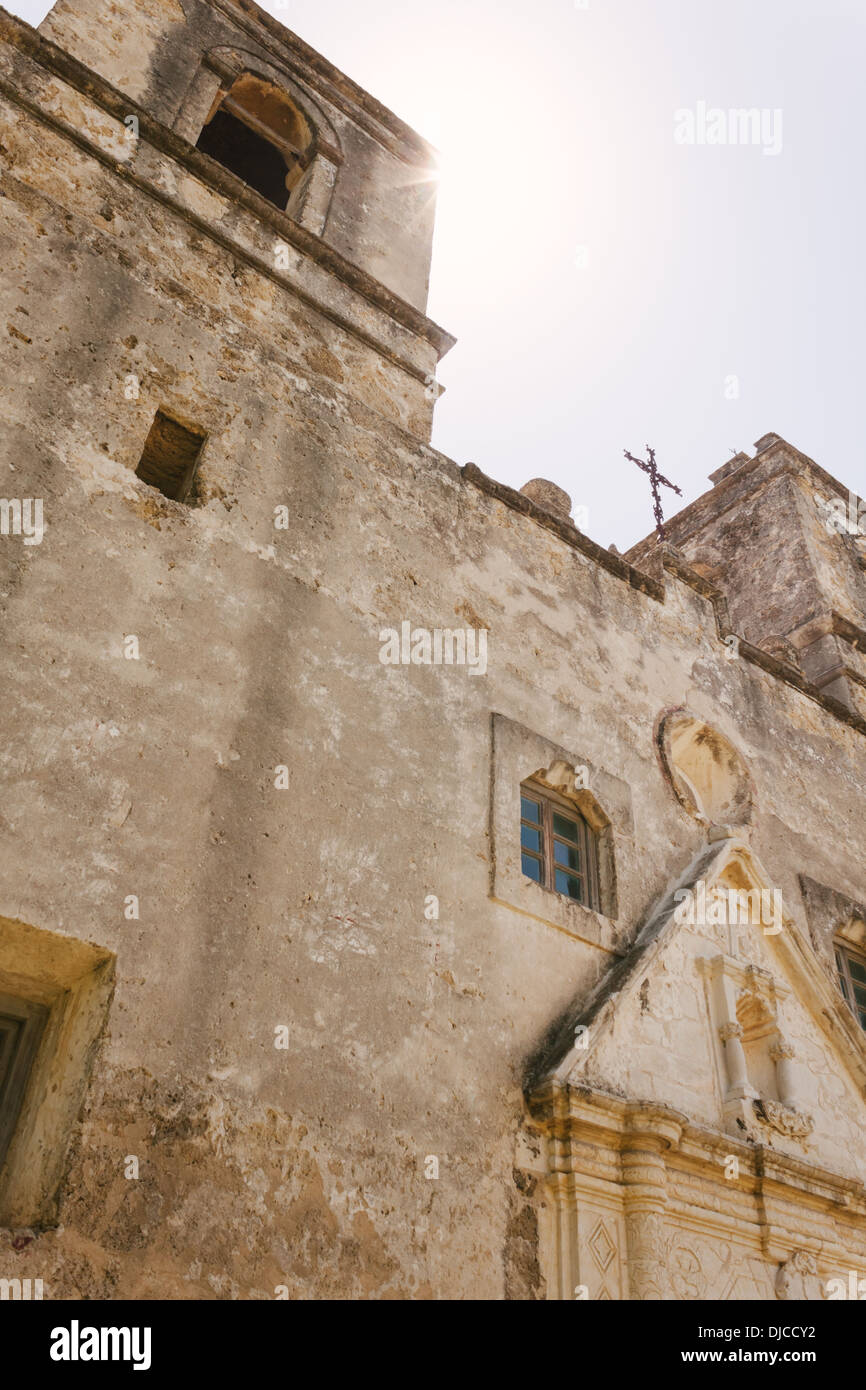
(653, 1149)
(783, 1119)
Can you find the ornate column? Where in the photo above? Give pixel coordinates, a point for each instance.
(649, 1133)
(561, 1188)
(782, 1054)
(735, 1061)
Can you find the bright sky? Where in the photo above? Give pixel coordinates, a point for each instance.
(609, 286)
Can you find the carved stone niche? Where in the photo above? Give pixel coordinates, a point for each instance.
(759, 1071)
(707, 774)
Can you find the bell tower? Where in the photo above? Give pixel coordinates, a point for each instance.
(359, 178)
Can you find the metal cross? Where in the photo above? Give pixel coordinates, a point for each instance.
(655, 478)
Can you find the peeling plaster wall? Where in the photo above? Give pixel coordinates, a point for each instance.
(305, 908)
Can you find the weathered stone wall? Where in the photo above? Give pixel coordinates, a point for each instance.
(383, 209)
(781, 538)
(408, 1035)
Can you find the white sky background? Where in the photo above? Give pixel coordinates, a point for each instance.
(556, 126)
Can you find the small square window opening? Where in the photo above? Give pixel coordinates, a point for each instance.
(169, 458)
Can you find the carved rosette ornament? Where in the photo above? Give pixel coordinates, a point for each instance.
(783, 1119)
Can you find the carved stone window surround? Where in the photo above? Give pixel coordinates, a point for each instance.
(519, 754)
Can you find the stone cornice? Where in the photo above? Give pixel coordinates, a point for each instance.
(586, 1114)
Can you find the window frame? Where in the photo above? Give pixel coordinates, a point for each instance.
(845, 953)
(236, 97)
(16, 1070)
(214, 141)
(551, 804)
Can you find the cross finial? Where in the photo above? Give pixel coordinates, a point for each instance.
(655, 478)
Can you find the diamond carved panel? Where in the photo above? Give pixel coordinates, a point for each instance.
(601, 1247)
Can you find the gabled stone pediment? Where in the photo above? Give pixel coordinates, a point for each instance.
(722, 1009)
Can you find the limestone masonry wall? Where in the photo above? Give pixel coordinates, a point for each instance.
(302, 901)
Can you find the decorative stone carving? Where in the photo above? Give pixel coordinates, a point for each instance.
(798, 1278)
(641, 1241)
(602, 1247)
(646, 1255)
(730, 1030)
(744, 1003)
(649, 1136)
(707, 774)
(783, 1119)
(598, 1253)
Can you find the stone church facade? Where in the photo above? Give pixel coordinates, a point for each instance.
(403, 896)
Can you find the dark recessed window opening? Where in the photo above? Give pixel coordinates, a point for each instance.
(170, 456)
(21, 1025)
(851, 965)
(249, 155)
(558, 848)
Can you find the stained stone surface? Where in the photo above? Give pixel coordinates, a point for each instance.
(298, 867)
